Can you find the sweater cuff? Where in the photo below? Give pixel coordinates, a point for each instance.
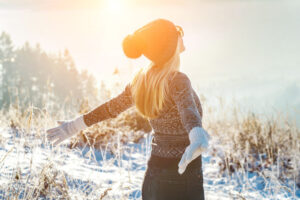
(198, 135)
(79, 123)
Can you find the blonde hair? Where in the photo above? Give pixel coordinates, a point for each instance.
(149, 87)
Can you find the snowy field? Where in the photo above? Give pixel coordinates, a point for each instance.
(31, 169)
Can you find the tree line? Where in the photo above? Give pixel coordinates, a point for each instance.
(30, 76)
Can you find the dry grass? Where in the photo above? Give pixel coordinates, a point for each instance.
(246, 143)
(260, 142)
(129, 126)
(46, 181)
(265, 145)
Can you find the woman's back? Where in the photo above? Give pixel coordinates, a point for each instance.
(182, 112)
(177, 118)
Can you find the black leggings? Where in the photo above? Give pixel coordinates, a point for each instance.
(164, 183)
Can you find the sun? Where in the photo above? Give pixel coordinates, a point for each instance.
(114, 6)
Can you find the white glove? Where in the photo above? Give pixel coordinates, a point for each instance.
(199, 140)
(65, 130)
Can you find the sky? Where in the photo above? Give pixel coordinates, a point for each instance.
(244, 49)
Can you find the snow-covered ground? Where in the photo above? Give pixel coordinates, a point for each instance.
(87, 173)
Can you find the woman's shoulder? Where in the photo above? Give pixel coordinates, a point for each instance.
(179, 79)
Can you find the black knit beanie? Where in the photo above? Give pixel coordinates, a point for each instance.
(157, 40)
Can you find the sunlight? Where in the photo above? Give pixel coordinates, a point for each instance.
(114, 6)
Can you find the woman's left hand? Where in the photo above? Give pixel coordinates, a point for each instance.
(199, 141)
(65, 130)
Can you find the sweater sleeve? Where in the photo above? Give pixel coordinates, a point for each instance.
(111, 108)
(181, 93)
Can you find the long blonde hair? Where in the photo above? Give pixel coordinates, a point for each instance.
(150, 88)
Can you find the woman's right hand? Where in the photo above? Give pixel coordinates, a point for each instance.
(199, 141)
(65, 130)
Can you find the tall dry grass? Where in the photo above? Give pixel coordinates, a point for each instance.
(243, 142)
(265, 145)
(26, 130)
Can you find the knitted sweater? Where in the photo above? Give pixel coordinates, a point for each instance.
(182, 113)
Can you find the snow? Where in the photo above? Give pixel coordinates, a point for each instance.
(91, 174)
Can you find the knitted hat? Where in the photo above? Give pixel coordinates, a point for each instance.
(157, 40)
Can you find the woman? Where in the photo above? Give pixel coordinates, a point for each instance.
(163, 95)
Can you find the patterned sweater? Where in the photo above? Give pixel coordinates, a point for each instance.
(171, 127)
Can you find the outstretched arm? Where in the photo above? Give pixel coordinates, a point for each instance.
(110, 109)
